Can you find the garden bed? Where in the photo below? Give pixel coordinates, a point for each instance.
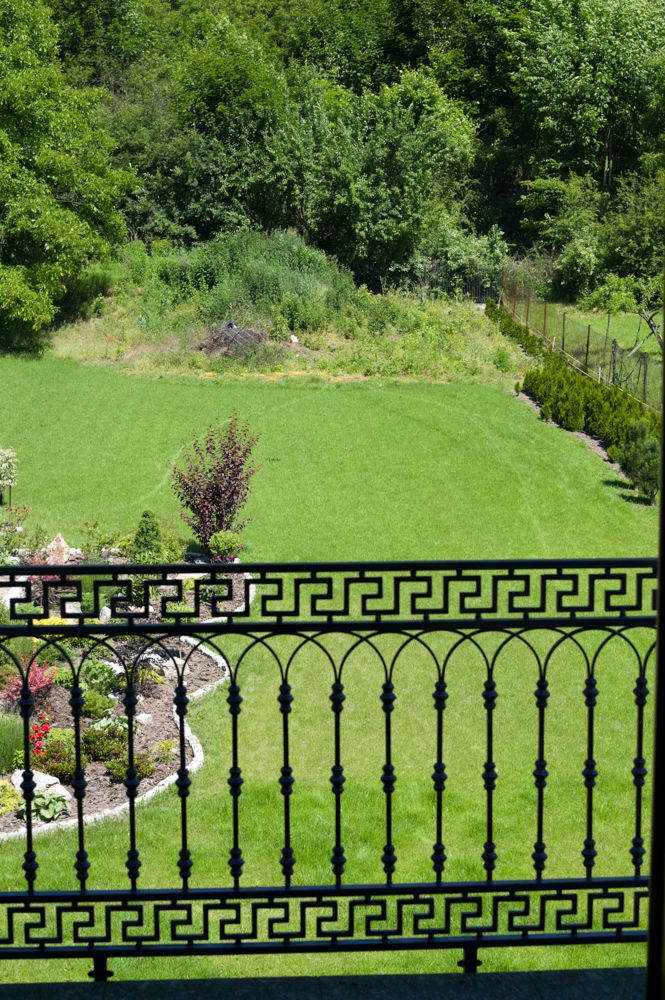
(155, 730)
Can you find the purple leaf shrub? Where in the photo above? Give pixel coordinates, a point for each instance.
(213, 483)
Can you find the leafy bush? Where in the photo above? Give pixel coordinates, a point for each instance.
(96, 675)
(10, 799)
(268, 279)
(49, 806)
(59, 755)
(509, 328)
(162, 752)
(11, 527)
(214, 483)
(224, 546)
(97, 540)
(639, 458)
(106, 739)
(40, 682)
(173, 546)
(62, 678)
(11, 739)
(117, 766)
(97, 705)
(613, 295)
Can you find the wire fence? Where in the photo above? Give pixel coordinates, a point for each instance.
(480, 287)
(594, 348)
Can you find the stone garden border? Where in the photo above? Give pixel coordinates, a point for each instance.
(197, 749)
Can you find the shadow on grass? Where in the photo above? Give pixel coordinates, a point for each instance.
(630, 496)
(639, 500)
(617, 484)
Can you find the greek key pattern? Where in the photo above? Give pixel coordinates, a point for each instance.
(284, 595)
(309, 918)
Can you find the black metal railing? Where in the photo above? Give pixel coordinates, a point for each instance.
(453, 641)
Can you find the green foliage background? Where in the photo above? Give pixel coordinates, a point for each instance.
(416, 141)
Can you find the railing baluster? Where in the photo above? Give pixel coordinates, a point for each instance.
(590, 774)
(234, 701)
(439, 778)
(337, 779)
(183, 781)
(388, 857)
(540, 775)
(131, 782)
(639, 772)
(79, 784)
(286, 780)
(28, 785)
(489, 777)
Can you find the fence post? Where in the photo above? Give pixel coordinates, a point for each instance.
(563, 334)
(528, 308)
(545, 323)
(607, 332)
(613, 376)
(588, 338)
(645, 358)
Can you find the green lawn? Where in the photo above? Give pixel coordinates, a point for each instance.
(628, 329)
(351, 470)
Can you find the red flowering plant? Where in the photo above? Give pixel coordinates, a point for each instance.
(39, 733)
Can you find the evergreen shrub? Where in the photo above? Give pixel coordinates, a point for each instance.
(624, 426)
(514, 331)
(639, 458)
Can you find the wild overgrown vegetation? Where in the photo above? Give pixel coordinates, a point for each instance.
(415, 141)
(155, 308)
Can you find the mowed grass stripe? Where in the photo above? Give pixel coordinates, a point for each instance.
(364, 470)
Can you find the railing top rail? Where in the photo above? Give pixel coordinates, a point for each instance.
(192, 568)
(216, 597)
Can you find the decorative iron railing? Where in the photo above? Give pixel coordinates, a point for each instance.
(567, 645)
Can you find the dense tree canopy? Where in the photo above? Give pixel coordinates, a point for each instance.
(583, 76)
(400, 136)
(57, 193)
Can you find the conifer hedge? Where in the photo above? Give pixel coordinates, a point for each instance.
(579, 404)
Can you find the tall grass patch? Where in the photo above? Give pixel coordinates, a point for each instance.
(11, 739)
(154, 306)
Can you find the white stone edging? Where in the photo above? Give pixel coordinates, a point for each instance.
(196, 763)
(198, 757)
